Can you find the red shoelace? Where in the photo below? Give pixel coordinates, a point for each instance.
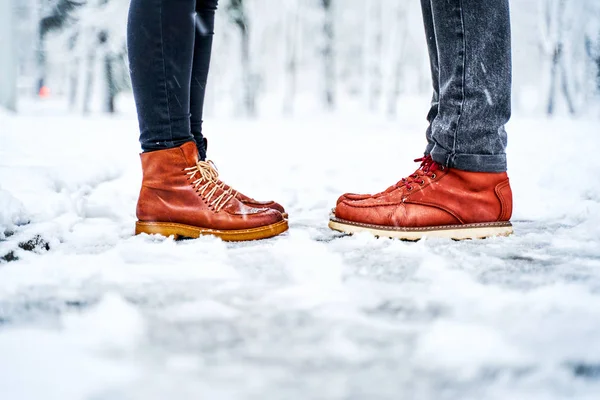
(426, 169)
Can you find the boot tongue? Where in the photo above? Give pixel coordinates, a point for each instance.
(190, 152)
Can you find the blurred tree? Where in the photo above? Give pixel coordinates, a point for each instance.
(399, 37)
(569, 32)
(303, 52)
(592, 47)
(54, 16)
(373, 53)
(328, 54)
(237, 13)
(292, 42)
(8, 58)
(92, 32)
(597, 62)
(553, 39)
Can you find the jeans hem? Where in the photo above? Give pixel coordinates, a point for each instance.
(165, 145)
(470, 162)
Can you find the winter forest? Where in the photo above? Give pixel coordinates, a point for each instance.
(278, 57)
(306, 100)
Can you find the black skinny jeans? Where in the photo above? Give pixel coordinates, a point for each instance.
(169, 57)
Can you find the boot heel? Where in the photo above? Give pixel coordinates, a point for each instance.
(156, 228)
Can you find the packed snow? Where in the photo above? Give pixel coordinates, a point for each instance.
(89, 311)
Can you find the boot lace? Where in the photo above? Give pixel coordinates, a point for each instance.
(426, 169)
(207, 183)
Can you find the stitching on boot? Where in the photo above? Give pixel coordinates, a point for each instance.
(503, 203)
(426, 228)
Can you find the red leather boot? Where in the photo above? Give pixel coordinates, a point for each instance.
(435, 201)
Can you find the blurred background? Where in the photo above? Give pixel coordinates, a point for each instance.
(293, 56)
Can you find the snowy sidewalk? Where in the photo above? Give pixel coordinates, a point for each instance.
(310, 314)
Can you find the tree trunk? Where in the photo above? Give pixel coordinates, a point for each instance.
(41, 58)
(399, 43)
(110, 86)
(554, 31)
(247, 75)
(597, 62)
(240, 19)
(565, 87)
(558, 69)
(328, 55)
(598, 73)
(291, 59)
(73, 83)
(89, 81)
(553, 78)
(8, 58)
(373, 54)
(111, 89)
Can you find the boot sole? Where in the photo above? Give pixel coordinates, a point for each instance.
(456, 232)
(179, 231)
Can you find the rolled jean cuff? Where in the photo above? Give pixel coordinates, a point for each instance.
(470, 162)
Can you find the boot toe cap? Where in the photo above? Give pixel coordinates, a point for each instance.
(263, 204)
(352, 197)
(358, 212)
(258, 217)
(274, 206)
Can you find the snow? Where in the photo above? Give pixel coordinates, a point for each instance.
(311, 314)
(12, 213)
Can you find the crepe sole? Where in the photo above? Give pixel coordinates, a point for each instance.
(456, 232)
(187, 231)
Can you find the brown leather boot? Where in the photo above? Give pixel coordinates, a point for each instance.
(250, 202)
(435, 202)
(183, 197)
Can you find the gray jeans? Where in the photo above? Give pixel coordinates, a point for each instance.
(470, 53)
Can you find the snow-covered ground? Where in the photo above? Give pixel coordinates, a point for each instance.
(311, 314)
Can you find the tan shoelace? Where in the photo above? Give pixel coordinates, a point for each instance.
(207, 184)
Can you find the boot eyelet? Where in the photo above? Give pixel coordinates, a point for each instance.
(433, 176)
(409, 188)
(422, 182)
